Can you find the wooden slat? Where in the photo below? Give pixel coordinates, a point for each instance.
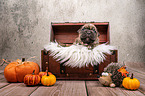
(124, 92)
(3, 83)
(142, 88)
(17, 89)
(96, 89)
(1, 76)
(140, 67)
(62, 88)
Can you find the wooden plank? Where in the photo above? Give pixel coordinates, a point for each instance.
(17, 89)
(139, 71)
(125, 92)
(96, 89)
(1, 76)
(142, 88)
(137, 66)
(62, 88)
(3, 83)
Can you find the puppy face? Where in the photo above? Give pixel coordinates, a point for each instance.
(88, 34)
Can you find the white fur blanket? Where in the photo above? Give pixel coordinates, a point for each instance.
(79, 55)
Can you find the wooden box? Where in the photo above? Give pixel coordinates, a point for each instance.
(65, 33)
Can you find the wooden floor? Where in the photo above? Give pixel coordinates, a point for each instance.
(74, 88)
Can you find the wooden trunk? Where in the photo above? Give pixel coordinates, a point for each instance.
(66, 33)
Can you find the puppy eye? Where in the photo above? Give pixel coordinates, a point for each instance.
(94, 31)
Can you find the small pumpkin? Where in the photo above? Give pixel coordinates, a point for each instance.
(131, 83)
(48, 79)
(15, 71)
(32, 79)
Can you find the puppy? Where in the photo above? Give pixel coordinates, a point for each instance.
(88, 36)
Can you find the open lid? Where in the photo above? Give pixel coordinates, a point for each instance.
(66, 33)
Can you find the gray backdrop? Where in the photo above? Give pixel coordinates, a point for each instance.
(25, 24)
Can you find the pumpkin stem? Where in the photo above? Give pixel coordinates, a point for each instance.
(23, 59)
(131, 76)
(33, 72)
(47, 71)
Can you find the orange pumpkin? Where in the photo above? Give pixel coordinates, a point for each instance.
(48, 80)
(32, 79)
(131, 83)
(15, 71)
